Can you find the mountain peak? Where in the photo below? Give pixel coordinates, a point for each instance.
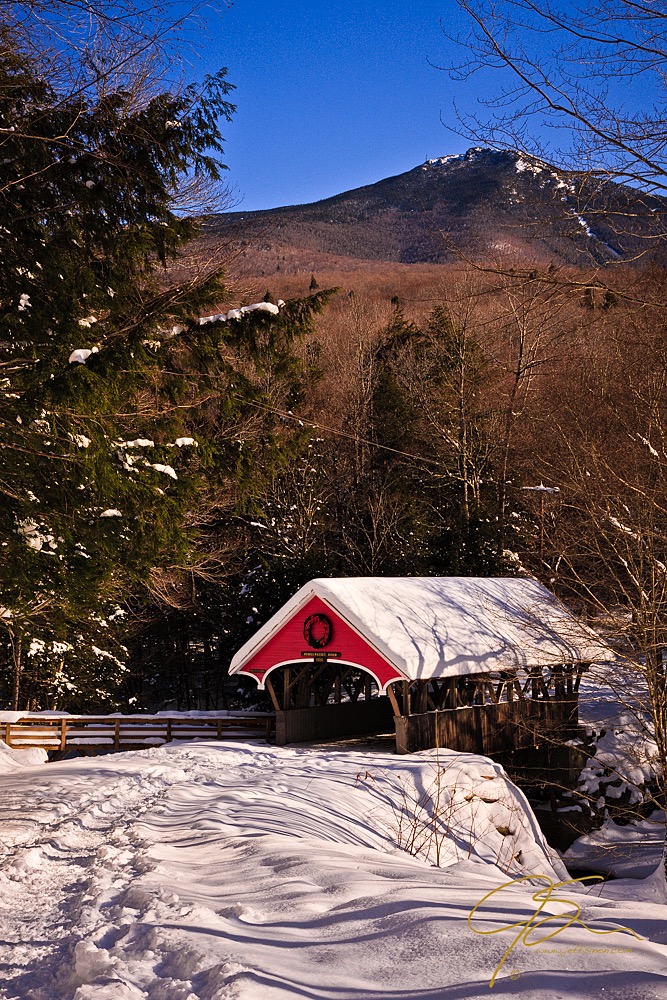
(485, 203)
(474, 153)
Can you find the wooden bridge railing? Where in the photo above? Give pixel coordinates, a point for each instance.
(488, 713)
(95, 733)
(561, 683)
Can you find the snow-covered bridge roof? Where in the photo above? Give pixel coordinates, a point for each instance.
(425, 627)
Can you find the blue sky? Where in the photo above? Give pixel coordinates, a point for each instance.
(334, 95)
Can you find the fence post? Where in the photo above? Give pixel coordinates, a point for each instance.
(63, 733)
(116, 734)
(8, 731)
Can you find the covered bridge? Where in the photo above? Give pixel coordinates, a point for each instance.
(474, 664)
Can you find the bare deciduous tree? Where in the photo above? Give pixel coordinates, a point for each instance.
(609, 540)
(560, 67)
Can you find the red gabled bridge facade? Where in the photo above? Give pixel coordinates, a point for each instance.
(324, 678)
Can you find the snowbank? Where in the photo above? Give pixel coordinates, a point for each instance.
(15, 760)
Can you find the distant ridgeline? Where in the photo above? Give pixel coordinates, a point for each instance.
(484, 203)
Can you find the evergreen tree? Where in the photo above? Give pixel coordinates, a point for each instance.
(430, 388)
(119, 410)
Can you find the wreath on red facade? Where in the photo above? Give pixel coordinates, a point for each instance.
(317, 631)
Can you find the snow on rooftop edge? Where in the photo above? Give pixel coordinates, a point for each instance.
(447, 626)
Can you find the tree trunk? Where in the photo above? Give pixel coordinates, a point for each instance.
(16, 642)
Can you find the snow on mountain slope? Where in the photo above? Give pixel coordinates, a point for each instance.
(235, 871)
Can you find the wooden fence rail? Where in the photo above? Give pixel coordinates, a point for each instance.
(94, 734)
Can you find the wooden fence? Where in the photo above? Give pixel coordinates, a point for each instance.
(92, 734)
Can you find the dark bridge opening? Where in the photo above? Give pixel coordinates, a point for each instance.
(319, 701)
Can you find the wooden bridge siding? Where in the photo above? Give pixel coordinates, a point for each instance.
(487, 729)
(321, 722)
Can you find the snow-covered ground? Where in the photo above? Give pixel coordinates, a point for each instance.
(232, 871)
(620, 781)
(625, 851)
